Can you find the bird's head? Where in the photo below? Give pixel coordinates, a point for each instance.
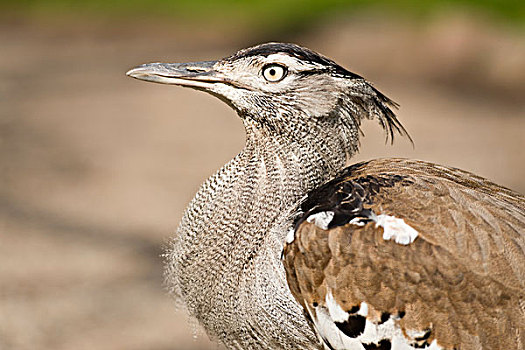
(285, 89)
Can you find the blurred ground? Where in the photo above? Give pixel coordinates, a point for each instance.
(97, 168)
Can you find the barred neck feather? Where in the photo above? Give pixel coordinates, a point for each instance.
(233, 231)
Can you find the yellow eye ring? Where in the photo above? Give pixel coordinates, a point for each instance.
(274, 72)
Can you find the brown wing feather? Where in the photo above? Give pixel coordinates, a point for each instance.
(463, 277)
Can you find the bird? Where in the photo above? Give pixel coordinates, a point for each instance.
(289, 247)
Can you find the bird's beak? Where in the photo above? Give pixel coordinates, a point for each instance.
(200, 75)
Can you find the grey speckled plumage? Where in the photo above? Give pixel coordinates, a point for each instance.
(302, 114)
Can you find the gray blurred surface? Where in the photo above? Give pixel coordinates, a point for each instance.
(97, 168)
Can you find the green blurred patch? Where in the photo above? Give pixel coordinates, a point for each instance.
(269, 15)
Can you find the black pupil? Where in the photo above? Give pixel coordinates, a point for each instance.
(272, 71)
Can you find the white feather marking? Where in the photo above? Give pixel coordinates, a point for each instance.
(336, 312)
(324, 319)
(396, 228)
(321, 219)
(400, 343)
(363, 309)
(413, 333)
(290, 236)
(325, 326)
(374, 333)
(356, 221)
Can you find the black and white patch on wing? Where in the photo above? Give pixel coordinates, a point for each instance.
(348, 200)
(353, 329)
(342, 202)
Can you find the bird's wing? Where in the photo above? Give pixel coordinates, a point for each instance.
(408, 254)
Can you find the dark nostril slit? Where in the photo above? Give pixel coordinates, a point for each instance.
(195, 70)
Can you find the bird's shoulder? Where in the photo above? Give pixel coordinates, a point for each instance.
(434, 254)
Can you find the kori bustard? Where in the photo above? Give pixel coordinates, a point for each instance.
(285, 248)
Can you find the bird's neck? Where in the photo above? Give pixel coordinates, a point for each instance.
(242, 212)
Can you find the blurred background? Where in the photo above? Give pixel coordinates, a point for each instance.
(96, 168)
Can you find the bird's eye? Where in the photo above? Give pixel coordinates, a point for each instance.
(274, 72)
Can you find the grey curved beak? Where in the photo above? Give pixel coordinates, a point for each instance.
(192, 74)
